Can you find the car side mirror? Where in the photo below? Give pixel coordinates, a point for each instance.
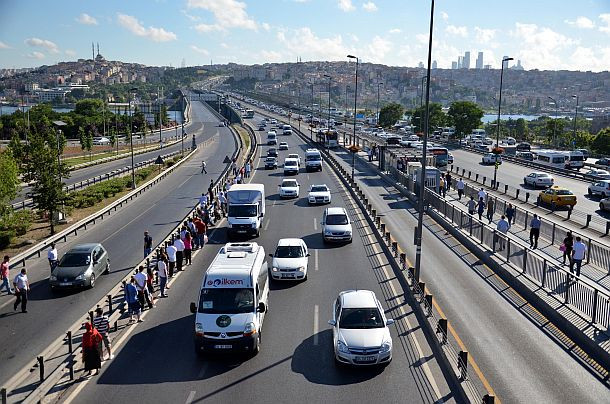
(271, 255)
(332, 322)
(308, 255)
(193, 308)
(261, 307)
(389, 321)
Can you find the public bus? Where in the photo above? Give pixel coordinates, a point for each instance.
(330, 138)
(552, 158)
(249, 113)
(441, 155)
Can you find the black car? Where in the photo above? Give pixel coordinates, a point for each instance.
(270, 163)
(524, 147)
(603, 162)
(272, 152)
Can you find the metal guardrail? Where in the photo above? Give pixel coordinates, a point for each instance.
(114, 300)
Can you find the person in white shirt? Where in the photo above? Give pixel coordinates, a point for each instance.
(141, 279)
(162, 271)
(223, 202)
(22, 287)
(203, 200)
(579, 249)
(502, 227)
(179, 244)
(171, 252)
(460, 189)
(482, 194)
(52, 256)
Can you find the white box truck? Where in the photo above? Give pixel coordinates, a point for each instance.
(246, 209)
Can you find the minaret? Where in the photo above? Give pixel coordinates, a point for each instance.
(98, 48)
(93, 51)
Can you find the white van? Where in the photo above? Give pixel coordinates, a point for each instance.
(271, 138)
(286, 130)
(313, 160)
(232, 301)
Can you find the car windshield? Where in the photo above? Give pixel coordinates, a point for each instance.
(226, 301)
(312, 157)
(319, 188)
(242, 210)
(293, 156)
(290, 163)
(270, 160)
(336, 219)
(564, 192)
(361, 318)
(289, 184)
(289, 251)
(577, 158)
(75, 260)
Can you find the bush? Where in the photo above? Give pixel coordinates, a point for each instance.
(6, 237)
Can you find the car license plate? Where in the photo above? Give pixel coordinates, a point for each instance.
(223, 346)
(65, 284)
(370, 358)
(241, 231)
(288, 275)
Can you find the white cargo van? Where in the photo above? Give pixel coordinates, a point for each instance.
(246, 209)
(286, 130)
(271, 138)
(313, 160)
(232, 302)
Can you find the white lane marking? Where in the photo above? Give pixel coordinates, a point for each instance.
(315, 257)
(190, 398)
(267, 224)
(316, 311)
(274, 201)
(315, 223)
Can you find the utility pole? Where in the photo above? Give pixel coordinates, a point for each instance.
(133, 173)
(575, 118)
(182, 137)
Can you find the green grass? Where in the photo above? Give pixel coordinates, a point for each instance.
(72, 161)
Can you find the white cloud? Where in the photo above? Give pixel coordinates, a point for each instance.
(4, 46)
(36, 55)
(86, 19)
(70, 52)
(378, 49)
(203, 28)
(594, 59)
(266, 26)
(191, 17)
(42, 43)
(199, 50)
(135, 27)
(422, 38)
(606, 20)
(346, 5)
(541, 46)
(300, 1)
(228, 13)
(581, 22)
(395, 31)
(484, 35)
(224, 45)
(303, 41)
(369, 6)
(458, 31)
(444, 16)
(271, 56)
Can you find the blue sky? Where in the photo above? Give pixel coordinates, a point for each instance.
(544, 34)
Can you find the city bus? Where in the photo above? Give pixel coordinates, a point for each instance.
(249, 113)
(552, 158)
(330, 138)
(441, 155)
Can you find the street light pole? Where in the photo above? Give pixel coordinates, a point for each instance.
(506, 59)
(378, 85)
(554, 122)
(133, 173)
(299, 105)
(421, 97)
(328, 123)
(160, 116)
(575, 117)
(312, 112)
(182, 136)
(354, 141)
(422, 179)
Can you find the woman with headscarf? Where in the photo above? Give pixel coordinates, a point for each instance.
(91, 352)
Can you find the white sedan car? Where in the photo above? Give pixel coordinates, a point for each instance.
(601, 188)
(318, 194)
(289, 189)
(360, 330)
(539, 180)
(491, 158)
(101, 141)
(599, 174)
(290, 260)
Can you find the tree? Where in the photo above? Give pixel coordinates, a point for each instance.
(390, 113)
(9, 179)
(601, 143)
(85, 139)
(466, 116)
(438, 118)
(554, 128)
(521, 129)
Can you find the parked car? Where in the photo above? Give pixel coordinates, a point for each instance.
(601, 188)
(80, 266)
(539, 180)
(557, 196)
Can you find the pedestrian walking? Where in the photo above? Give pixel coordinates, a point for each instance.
(370, 153)
(211, 191)
(52, 256)
(510, 214)
(448, 181)
(188, 248)
(5, 270)
(481, 208)
(441, 187)
(102, 325)
(502, 227)
(171, 252)
(567, 247)
(179, 244)
(471, 206)
(91, 353)
(203, 166)
(193, 231)
(141, 279)
(203, 200)
(460, 189)
(248, 169)
(491, 208)
(162, 273)
(148, 243)
(482, 194)
(535, 224)
(131, 297)
(223, 203)
(22, 287)
(579, 250)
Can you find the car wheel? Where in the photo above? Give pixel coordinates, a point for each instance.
(601, 207)
(107, 270)
(604, 195)
(305, 277)
(589, 192)
(257, 347)
(92, 281)
(539, 201)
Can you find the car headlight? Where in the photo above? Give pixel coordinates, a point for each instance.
(229, 225)
(249, 329)
(327, 232)
(199, 329)
(274, 269)
(254, 225)
(80, 277)
(348, 232)
(386, 347)
(301, 269)
(341, 347)
(52, 278)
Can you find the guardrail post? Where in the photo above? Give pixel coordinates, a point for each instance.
(505, 189)
(544, 268)
(507, 249)
(374, 213)
(382, 228)
(517, 193)
(469, 174)
(395, 248)
(589, 250)
(476, 178)
(489, 399)
(527, 196)
(607, 227)
(403, 260)
(109, 303)
(485, 179)
(524, 260)
(91, 317)
(442, 328)
(568, 278)
(3, 394)
(71, 369)
(41, 367)
(429, 305)
(588, 220)
(594, 314)
(463, 364)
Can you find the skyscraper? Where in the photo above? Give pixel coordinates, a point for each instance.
(480, 61)
(466, 60)
(454, 65)
(460, 62)
(434, 64)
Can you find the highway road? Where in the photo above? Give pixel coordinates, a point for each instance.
(295, 364)
(157, 210)
(523, 356)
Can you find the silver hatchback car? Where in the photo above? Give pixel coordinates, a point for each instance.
(80, 267)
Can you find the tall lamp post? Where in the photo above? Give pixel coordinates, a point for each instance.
(58, 136)
(378, 85)
(312, 112)
(182, 137)
(299, 105)
(421, 98)
(133, 173)
(354, 141)
(555, 121)
(328, 123)
(422, 185)
(575, 117)
(506, 59)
